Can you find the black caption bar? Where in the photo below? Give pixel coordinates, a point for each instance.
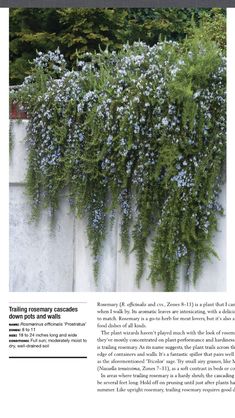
(117, 3)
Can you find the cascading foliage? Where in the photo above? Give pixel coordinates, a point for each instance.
(139, 133)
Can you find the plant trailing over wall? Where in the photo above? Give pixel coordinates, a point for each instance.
(140, 132)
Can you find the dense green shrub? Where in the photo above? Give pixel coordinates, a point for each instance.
(78, 30)
(141, 133)
(30, 30)
(213, 28)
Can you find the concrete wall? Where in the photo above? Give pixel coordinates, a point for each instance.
(42, 261)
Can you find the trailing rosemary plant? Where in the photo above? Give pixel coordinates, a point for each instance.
(141, 133)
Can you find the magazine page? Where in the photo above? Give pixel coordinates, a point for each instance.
(117, 226)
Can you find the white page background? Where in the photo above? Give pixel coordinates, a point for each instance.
(66, 388)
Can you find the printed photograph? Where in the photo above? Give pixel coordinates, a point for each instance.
(117, 150)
